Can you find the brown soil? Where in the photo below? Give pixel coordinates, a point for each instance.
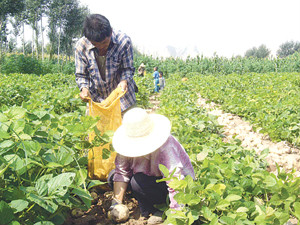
(154, 103)
(97, 214)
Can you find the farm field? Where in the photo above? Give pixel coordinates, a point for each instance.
(270, 101)
(43, 174)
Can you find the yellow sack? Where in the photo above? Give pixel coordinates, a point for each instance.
(109, 112)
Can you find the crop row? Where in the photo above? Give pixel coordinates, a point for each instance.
(18, 63)
(232, 184)
(220, 65)
(269, 101)
(43, 165)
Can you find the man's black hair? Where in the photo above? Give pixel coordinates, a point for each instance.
(96, 27)
(160, 72)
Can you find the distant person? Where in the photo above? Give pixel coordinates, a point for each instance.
(141, 70)
(156, 79)
(104, 61)
(162, 82)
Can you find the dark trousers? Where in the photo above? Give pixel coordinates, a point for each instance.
(147, 192)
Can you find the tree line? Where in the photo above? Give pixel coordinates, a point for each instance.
(285, 49)
(64, 22)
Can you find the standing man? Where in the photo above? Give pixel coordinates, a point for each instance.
(104, 61)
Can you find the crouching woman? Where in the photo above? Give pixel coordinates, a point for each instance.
(142, 142)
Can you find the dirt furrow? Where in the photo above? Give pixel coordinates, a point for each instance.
(282, 153)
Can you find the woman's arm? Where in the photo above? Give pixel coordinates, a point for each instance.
(119, 191)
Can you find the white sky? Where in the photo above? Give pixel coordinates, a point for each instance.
(227, 27)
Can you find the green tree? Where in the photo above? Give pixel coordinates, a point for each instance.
(261, 52)
(72, 26)
(65, 24)
(8, 8)
(288, 48)
(251, 52)
(35, 10)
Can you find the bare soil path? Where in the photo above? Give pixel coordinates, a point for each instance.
(282, 153)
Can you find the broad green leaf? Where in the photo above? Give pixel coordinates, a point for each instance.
(190, 218)
(223, 204)
(49, 205)
(6, 144)
(40, 114)
(18, 126)
(202, 155)
(226, 220)
(164, 170)
(14, 223)
(41, 185)
(106, 153)
(83, 195)
(177, 184)
(24, 137)
(270, 181)
(261, 219)
(31, 147)
(81, 176)
(214, 221)
(219, 188)
(207, 213)
(95, 183)
(283, 217)
(3, 118)
(4, 134)
(242, 209)
(16, 113)
(297, 210)
(190, 199)
(270, 211)
(64, 156)
(233, 197)
(59, 185)
(18, 205)
(17, 164)
(6, 213)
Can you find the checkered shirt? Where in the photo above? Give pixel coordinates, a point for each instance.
(119, 66)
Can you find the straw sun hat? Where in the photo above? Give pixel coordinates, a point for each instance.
(141, 133)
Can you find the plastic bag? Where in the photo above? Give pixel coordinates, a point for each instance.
(109, 112)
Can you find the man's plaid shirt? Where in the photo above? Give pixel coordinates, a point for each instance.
(119, 66)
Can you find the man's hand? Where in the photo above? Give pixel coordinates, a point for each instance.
(85, 94)
(123, 85)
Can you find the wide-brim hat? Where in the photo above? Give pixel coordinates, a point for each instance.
(142, 65)
(141, 133)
